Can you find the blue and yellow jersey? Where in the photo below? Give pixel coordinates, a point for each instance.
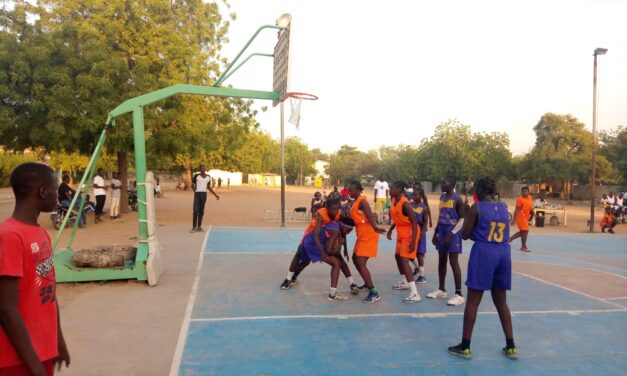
(448, 214)
(493, 223)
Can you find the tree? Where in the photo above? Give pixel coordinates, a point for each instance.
(348, 164)
(299, 161)
(259, 153)
(562, 154)
(614, 148)
(80, 59)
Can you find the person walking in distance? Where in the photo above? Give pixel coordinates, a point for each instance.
(381, 194)
(100, 191)
(201, 182)
(116, 193)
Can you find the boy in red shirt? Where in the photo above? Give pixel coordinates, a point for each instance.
(608, 221)
(31, 342)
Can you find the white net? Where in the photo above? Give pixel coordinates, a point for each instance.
(295, 114)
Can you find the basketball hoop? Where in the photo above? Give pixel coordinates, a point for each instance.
(295, 101)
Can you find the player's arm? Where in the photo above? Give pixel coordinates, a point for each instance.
(408, 211)
(390, 230)
(64, 355)
(364, 207)
(14, 326)
(316, 234)
(470, 221)
(334, 237)
(515, 213)
(194, 182)
(459, 208)
(212, 191)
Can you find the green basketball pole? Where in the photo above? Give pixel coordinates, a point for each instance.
(65, 270)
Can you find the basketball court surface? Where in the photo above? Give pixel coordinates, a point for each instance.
(569, 306)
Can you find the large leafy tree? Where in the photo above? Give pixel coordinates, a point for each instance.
(562, 153)
(62, 73)
(348, 164)
(614, 148)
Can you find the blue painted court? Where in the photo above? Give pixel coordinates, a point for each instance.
(240, 323)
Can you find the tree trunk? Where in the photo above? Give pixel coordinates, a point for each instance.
(123, 171)
(188, 174)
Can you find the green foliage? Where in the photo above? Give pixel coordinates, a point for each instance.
(80, 59)
(348, 164)
(299, 160)
(9, 161)
(563, 152)
(614, 148)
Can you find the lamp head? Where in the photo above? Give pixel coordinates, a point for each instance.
(600, 51)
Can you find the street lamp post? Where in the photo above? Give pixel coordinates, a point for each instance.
(598, 51)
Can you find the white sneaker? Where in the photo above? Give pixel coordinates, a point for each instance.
(437, 294)
(412, 298)
(456, 300)
(400, 285)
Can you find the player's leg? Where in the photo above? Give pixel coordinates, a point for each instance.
(349, 277)
(360, 263)
(402, 284)
(470, 316)
(336, 265)
(457, 276)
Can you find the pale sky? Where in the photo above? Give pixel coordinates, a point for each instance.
(388, 71)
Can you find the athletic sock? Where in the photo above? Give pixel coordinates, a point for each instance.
(290, 275)
(415, 263)
(421, 271)
(350, 280)
(458, 292)
(509, 343)
(465, 344)
(412, 288)
(333, 291)
(373, 290)
(403, 279)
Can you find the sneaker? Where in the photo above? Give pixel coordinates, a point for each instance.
(412, 298)
(525, 249)
(354, 289)
(199, 229)
(603, 230)
(511, 353)
(456, 300)
(337, 296)
(437, 294)
(371, 298)
(458, 351)
(286, 284)
(193, 230)
(400, 285)
(611, 231)
(421, 280)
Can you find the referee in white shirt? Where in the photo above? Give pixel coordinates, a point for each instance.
(201, 183)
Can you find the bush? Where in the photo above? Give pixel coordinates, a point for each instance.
(9, 161)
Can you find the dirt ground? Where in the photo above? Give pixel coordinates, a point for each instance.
(138, 326)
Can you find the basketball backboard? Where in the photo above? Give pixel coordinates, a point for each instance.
(281, 65)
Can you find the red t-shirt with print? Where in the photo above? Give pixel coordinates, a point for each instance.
(25, 253)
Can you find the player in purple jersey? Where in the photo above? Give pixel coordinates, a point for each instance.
(422, 215)
(448, 240)
(490, 265)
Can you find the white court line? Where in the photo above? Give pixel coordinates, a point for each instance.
(574, 266)
(619, 298)
(412, 315)
(180, 346)
(569, 289)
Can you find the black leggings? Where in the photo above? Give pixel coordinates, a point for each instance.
(200, 198)
(100, 201)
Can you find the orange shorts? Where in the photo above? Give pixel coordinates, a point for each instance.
(403, 250)
(367, 243)
(522, 224)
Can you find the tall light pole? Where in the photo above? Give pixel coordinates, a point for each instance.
(597, 52)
